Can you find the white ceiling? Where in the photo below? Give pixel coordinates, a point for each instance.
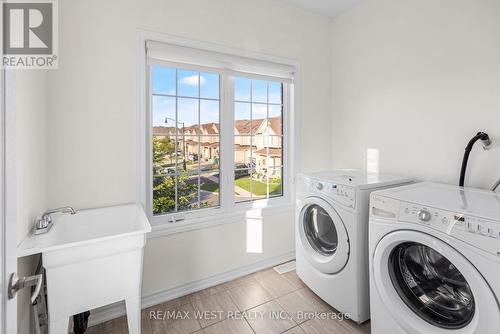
(324, 7)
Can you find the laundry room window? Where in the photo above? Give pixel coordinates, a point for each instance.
(217, 137)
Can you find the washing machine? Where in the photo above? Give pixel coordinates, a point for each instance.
(434, 260)
(332, 236)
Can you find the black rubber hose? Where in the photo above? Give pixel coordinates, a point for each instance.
(480, 136)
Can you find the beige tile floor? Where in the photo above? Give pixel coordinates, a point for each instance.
(265, 302)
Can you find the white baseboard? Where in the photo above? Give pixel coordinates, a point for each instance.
(116, 310)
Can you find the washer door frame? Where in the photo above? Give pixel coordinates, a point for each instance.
(334, 263)
(486, 318)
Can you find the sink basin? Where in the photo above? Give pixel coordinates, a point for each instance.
(88, 226)
(92, 259)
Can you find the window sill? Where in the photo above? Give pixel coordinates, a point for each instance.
(163, 227)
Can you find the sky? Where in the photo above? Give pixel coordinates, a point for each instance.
(205, 86)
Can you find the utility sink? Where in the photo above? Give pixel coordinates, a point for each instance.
(92, 259)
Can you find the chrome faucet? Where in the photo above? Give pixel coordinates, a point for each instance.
(44, 224)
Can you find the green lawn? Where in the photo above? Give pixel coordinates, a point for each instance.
(258, 188)
(212, 187)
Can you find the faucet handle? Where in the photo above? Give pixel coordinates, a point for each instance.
(42, 225)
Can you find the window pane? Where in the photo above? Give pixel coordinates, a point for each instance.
(209, 189)
(275, 92)
(163, 80)
(242, 89)
(163, 194)
(209, 152)
(242, 192)
(189, 153)
(242, 119)
(163, 113)
(275, 181)
(258, 185)
(259, 91)
(258, 143)
(275, 123)
(187, 115)
(209, 116)
(209, 85)
(259, 112)
(163, 155)
(272, 152)
(188, 83)
(243, 149)
(187, 192)
(273, 141)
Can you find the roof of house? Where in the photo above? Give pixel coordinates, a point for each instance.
(244, 127)
(275, 124)
(238, 147)
(211, 128)
(163, 130)
(274, 152)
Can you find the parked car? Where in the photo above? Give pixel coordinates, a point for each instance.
(241, 170)
(167, 170)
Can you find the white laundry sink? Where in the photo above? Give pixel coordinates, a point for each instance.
(92, 259)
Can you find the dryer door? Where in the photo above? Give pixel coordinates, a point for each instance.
(429, 287)
(323, 236)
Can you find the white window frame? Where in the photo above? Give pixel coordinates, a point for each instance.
(228, 211)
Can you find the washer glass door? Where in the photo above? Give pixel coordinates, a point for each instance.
(431, 285)
(320, 230)
(323, 236)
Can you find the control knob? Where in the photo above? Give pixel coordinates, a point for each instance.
(424, 215)
(319, 186)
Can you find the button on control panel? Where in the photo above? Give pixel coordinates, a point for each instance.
(337, 192)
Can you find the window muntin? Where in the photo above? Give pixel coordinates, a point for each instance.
(185, 117)
(258, 139)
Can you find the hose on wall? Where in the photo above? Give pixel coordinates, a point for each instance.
(486, 143)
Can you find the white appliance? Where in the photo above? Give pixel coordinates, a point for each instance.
(435, 260)
(332, 236)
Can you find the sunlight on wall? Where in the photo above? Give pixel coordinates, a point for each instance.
(372, 160)
(254, 235)
(254, 228)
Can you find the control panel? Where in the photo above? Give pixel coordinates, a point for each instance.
(482, 233)
(478, 232)
(342, 194)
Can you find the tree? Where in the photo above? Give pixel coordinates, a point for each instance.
(163, 147)
(164, 185)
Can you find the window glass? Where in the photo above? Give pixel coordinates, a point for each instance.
(186, 117)
(186, 140)
(258, 137)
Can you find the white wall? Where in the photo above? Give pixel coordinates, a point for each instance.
(31, 147)
(31, 106)
(92, 119)
(416, 79)
(182, 258)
